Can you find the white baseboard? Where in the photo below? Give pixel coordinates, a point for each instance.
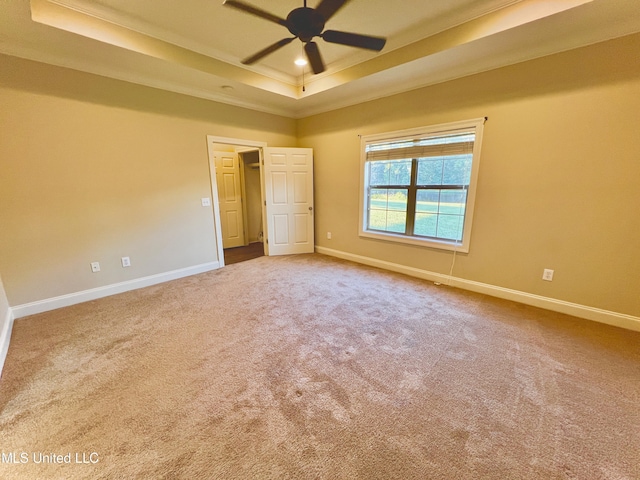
(47, 304)
(590, 313)
(5, 337)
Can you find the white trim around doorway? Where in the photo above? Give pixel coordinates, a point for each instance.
(237, 142)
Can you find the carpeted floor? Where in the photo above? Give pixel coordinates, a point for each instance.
(309, 367)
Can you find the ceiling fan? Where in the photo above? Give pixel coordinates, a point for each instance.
(305, 23)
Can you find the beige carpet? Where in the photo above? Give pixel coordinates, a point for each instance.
(308, 367)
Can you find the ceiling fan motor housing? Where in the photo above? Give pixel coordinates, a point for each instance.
(305, 23)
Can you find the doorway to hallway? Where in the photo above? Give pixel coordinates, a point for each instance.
(242, 254)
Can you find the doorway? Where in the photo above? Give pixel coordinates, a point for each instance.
(284, 179)
(237, 195)
(242, 254)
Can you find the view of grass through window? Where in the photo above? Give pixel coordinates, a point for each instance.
(433, 204)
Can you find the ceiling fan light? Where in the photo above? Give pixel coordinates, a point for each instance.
(301, 62)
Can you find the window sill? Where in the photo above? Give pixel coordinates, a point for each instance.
(422, 242)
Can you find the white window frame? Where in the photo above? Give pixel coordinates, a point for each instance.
(429, 131)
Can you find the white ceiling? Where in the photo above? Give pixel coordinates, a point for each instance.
(196, 46)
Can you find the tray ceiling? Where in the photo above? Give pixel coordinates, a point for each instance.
(196, 46)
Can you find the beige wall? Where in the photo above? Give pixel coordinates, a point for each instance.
(93, 169)
(558, 183)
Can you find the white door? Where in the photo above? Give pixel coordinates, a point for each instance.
(288, 191)
(230, 197)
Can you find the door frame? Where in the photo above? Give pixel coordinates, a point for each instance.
(240, 143)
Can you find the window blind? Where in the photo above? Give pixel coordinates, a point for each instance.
(445, 145)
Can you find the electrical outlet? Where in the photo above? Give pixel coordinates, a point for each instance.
(95, 267)
(547, 275)
(126, 262)
(329, 235)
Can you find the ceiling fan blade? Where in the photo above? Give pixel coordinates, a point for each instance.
(245, 7)
(313, 54)
(327, 8)
(354, 40)
(267, 51)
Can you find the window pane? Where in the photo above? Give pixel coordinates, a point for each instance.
(453, 202)
(427, 200)
(430, 171)
(396, 222)
(390, 172)
(400, 172)
(457, 170)
(426, 224)
(388, 209)
(450, 227)
(440, 213)
(378, 173)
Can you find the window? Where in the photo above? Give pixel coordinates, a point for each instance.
(418, 185)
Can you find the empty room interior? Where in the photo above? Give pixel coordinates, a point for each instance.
(400, 242)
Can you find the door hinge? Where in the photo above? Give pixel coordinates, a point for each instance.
(265, 203)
